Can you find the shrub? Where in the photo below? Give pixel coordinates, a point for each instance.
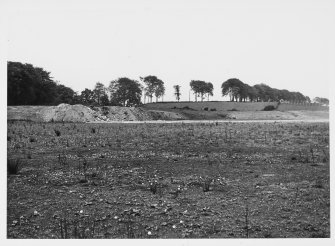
(223, 116)
(213, 109)
(13, 166)
(206, 108)
(269, 108)
(268, 235)
(188, 108)
(83, 180)
(105, 110)
(94, 108)
(233, 109)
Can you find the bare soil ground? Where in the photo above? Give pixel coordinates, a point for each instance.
(196, 180)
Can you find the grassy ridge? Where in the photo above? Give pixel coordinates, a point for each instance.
(228, 106)
(219, 106)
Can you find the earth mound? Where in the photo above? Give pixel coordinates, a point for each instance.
(70, 113)
(80, 113)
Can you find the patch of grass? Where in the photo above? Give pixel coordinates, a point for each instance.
(57, 132)
(188, 108)
(224, 116)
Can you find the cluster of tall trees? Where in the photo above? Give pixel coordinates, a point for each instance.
(239, 91)
(125, 92)
(29, 85)
(321, 100)
(153, 86)
(201, 89)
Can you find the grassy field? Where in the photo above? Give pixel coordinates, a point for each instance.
(241, 110)
(204, 180)
(218, 106)
(231, 106)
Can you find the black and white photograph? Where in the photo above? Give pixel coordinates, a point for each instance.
(167, 120)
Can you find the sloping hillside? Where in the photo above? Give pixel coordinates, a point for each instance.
(217, 106)
(242, 110)
(80, 113)
(234, 106)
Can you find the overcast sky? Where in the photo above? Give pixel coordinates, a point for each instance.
(284, 44)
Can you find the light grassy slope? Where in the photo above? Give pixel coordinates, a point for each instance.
(80, 113)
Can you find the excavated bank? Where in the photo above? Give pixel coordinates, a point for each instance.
(80, 113)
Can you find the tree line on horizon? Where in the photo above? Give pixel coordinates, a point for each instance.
(29, 85)
(239, 91)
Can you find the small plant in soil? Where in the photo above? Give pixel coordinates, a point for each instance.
(153, 185)
(57, 132)
(175, 192)
(32, 139)
(318, 184)
(312, 153)
(246, 216)
(206, 184)
(62, 160)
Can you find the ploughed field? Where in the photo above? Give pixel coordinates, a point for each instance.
(201, 180)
